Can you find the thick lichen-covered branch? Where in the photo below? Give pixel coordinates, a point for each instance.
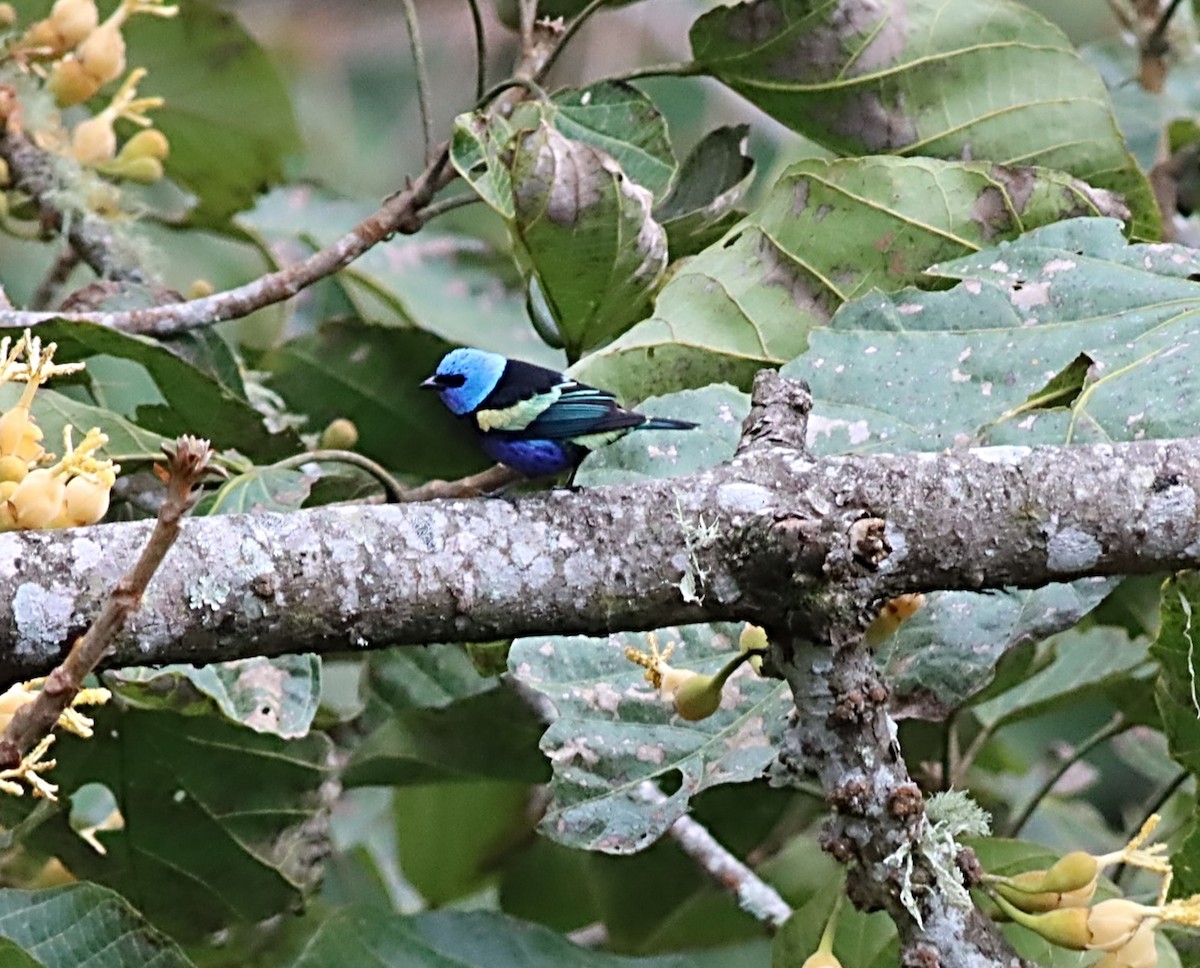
(612, 558)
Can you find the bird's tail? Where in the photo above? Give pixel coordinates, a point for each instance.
(663, 423)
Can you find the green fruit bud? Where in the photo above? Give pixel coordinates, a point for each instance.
(698, 698)
(341, 434)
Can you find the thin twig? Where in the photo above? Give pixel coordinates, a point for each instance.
(1118, 724)
(484, 482)
(677, 69)
(573, 28)
(753, 894)
(418, 56)
(1154, 40)
(395, 490)
(480, 49)
(63, 265)
(399, 213)
(434, 209)
(187, 462)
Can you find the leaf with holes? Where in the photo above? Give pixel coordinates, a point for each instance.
(995, 359)
(614, 730)
(279, 695)
(994, 81)
(826, 232)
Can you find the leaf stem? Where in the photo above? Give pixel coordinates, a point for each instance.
(572, 29)
(395, 490)
(434, 209)
(678, 69)
(418, 56)
(1118, 724)
(480, 48)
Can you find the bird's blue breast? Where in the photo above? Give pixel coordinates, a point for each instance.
(533, 458)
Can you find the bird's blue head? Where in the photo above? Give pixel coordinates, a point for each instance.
(465, 377)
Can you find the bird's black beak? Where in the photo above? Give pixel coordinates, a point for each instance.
(433, 383)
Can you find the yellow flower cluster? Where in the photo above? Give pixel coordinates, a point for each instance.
(84, 55)
(35, 491)
(1056, 903)
(695, 695)
(31, 768)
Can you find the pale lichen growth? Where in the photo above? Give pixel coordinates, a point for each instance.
(698, 536)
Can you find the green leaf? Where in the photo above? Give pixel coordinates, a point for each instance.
(948, 651)
(449, 835)
(227, 112)
(827, 231)
(719, 410)
(258, 490)
(615, 730)
(477, 939)
(491, 734)
(620, 119)
(219, 819)
(1085, 660)
(928, 370)
(427, 676)
(994, 81)
(1176, 693)
(610, 115)
(586, 232)
(370, 375)
(164, 393)
(127, 442)
(711, 182)
(865, 940)
(80, 924)
(278, 695)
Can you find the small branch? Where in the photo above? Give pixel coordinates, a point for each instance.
(572, 29)
(63, 265)
(754, 895)
(442, 206)
(1114, 727)
(679, 69)
(186, 464)
(418, 56)
(1156, 805)
(399, 213)
(395, 490)
(480, 49)
(485, 482)
(32, 170)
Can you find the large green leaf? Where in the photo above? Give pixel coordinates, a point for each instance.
(278, 695)
(989, 80)
(227, 112)
(53, 411)
(827, 231)
(711, 181)
(160, 391)
(610, 115)
(586, 231)
(1178, 697)
(948, 651)
(479, 939)
(1067, 335)
(370, 374)
(614, 730)
(221, 822)
(491, 734)
(257, 490)
(80, 924)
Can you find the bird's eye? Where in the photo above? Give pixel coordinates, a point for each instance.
(451, 380)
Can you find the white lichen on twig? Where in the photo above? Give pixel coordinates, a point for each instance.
(698, 536)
